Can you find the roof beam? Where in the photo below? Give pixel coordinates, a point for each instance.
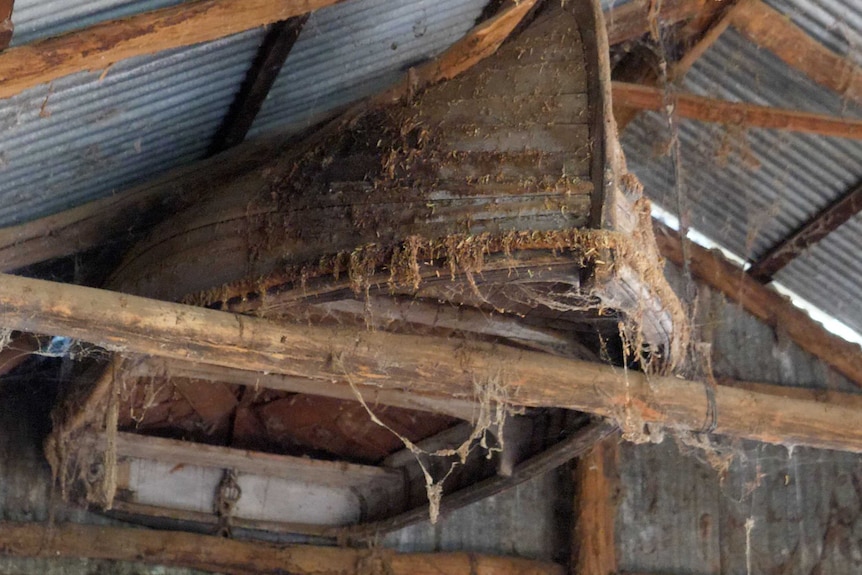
(558, 454)
(6, 26)
(371, 360)
(633, 20)
(100, 45)
(772, 30)
(765, 304)
(261, 76)
(811, 232)
(233, 557)
(735, 113)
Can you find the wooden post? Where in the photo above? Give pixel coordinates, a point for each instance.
(596, 479)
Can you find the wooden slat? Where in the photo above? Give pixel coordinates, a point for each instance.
(765, 304)
(95, 223)
(817, 228)
(234, 557)
(597, 486)
(634, 19)
(270, 58)
(735, 113)
(424, 364)
(100, 45)
(772, 30)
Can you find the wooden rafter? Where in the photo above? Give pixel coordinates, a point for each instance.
(6, 26)
(234, 557)
(811, 232)
(772, 30)
(765, 304)
(634, 19)
(423, 364)
(261, 76)
(703, 28)
(100, 45)
(570, 448)
(735, 113)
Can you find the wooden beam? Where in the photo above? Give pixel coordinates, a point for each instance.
(772, 30)
(6, 26)
(95, 223)
(765, 304)
(811, 232)
(735, 113)
(597, 484)
(712, 33)
(579, 443)
(424, 365)
(215, 554)
(634, 19)
(270, 58)
(100, 45)
(461, 408)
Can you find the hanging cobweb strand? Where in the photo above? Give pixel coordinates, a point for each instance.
(491, 414)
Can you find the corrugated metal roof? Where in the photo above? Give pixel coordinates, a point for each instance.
(837, 24)
(348, 51)
(679, 515)
(38, 19)
(86, 136)
(749, 189)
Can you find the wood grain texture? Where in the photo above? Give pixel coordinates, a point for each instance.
(103, 44)
(765, 304)
(422, 364)
(734, 113)
(241, 558)
(770, 29)
(597, 485)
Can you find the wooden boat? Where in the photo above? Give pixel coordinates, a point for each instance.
(491, 207)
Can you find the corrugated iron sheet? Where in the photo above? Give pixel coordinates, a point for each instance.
(837, 24)
(351, 50)
(92, 134)
(38, 19)
(680, 515)
(749, 188)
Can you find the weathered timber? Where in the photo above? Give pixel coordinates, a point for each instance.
(735, 113)
(270, 58)
(100, 45)
(234, 557)
(811, 232)
(462, 409)
(570, 448)
(126, 215)
(634, 19)
(707, 38)
(597, 484)
(100, 221)
(7, 28)
(422, 365)
(765, 304)
(772, 30)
